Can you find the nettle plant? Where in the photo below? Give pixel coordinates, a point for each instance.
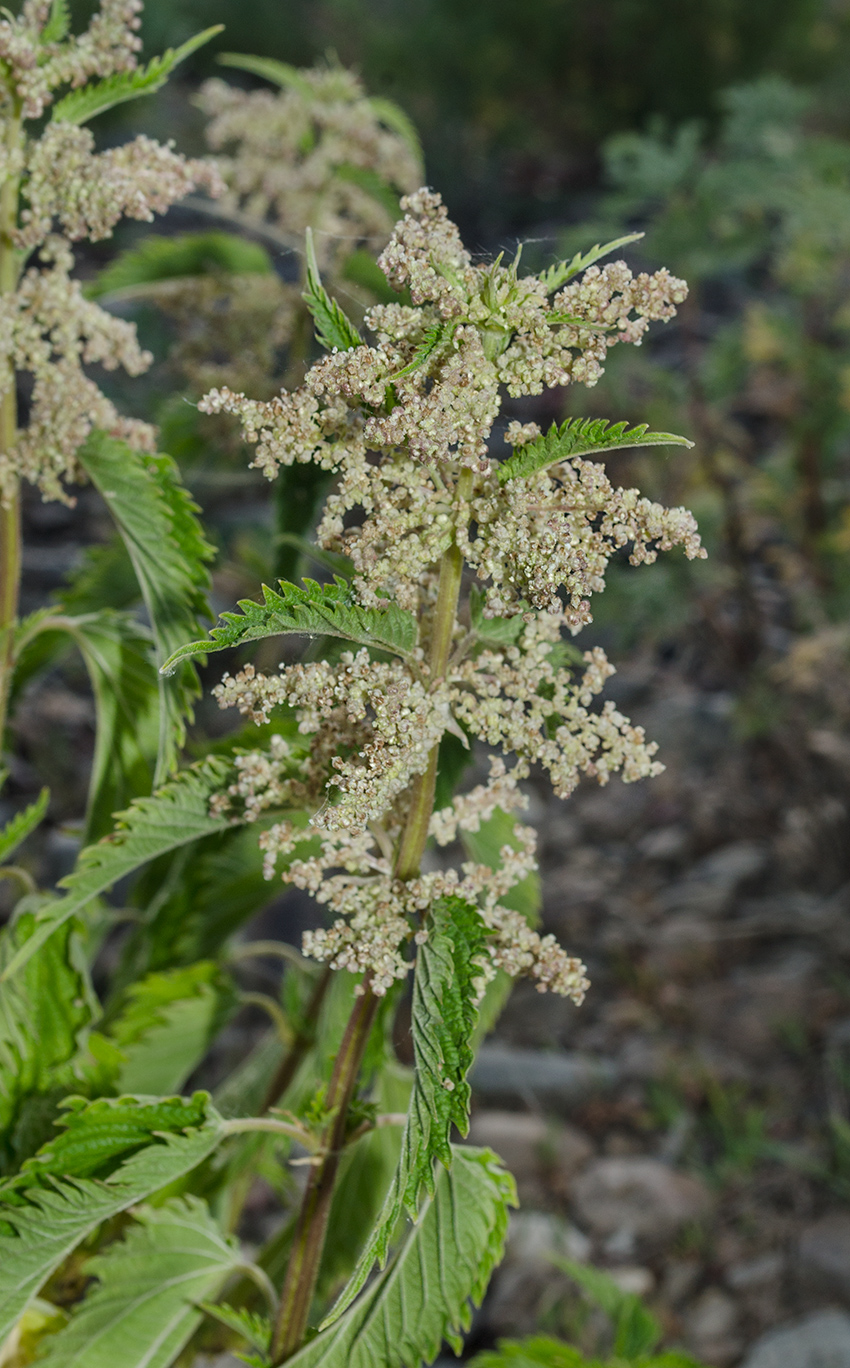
(461, 564)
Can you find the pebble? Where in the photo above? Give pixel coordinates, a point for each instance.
(542, 1155)
(553, 1081)
(710, 1327)
(637, 1197)
(824, 1254)
(821, 1340)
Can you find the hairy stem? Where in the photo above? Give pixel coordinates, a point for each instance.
(311, 1228)
(10, 511)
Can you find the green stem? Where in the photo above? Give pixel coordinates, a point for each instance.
(311, 1228)
(10, 514)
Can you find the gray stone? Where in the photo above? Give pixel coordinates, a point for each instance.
(821, 1340)
(710, 1327)
(755, 1273)
(542, 1155)
(711, 884)
(637, 1197)
(527, 1279)
(554, 1081)
(824, 1253)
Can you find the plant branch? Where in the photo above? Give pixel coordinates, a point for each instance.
(10, 511)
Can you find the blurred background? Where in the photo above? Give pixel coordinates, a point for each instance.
(689, 1128)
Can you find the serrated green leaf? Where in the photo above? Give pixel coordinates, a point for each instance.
(558, 275)
(158, 522)
(444, 1263)
(279, 73)
(43, 1012)
(581, 437)
(158, 258)
(104, 579)
(143, 1309)
(539, 1351)
(19, 827)
(315, 610)
(433, 341)
(334, 330)
(493, 631)
(78, 106)
(167, 1026)
(174, 816)
(41, 1225)
(443, 1023)
(58, 24)
(256, 1329)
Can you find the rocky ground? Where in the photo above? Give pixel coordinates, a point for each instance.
(687, 1128)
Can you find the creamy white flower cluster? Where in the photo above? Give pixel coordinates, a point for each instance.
(47, 328)
(308, 156)
(376, 913)
(430, 386)
(34, 65)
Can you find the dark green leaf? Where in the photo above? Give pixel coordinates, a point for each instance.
(636, 1331)
(157, 258)
(581, 437)
(177, 815)
(159, 524)
(444, 1263)
(315, 610)
(279, 73)
(167, 1026)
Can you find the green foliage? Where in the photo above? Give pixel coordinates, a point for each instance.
(485, 846)
(581, 437)
(105, 578)
(636, 1331)
(558, 275)
(279, 73)
(167, 1025)
(81, 105)
(144, 1307)
(432, 343)
(156, 258)
(315, 610)
(334, 331)
(175, 816)
(454, 1246)
(58, 24)
(256, 1329)
(444, 1019)
(44, 1011)
(158, 522)
(18, 828)
(42, 1223)
(540, 1351)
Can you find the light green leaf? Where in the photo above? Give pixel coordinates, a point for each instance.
(143, 1309)
(334, 330)
(394, 117)
(78, 106)
(158, 258)
(443, 1264)
(43, 1012)
(433, 341)
(485, 846)
(315, 610)
(443, 1023)
(558, 275)
(58, 23)
(256, 1329)
(41, 1225)
(494, 631)
(18, 828)
(279, 73)
(176, 815)
(158, 522)
(636, 1331)
(166, 1028)
(581, 437)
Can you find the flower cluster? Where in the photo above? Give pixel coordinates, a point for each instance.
(310, 156)
(431, 385)
(406, 423)
(47, 328)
